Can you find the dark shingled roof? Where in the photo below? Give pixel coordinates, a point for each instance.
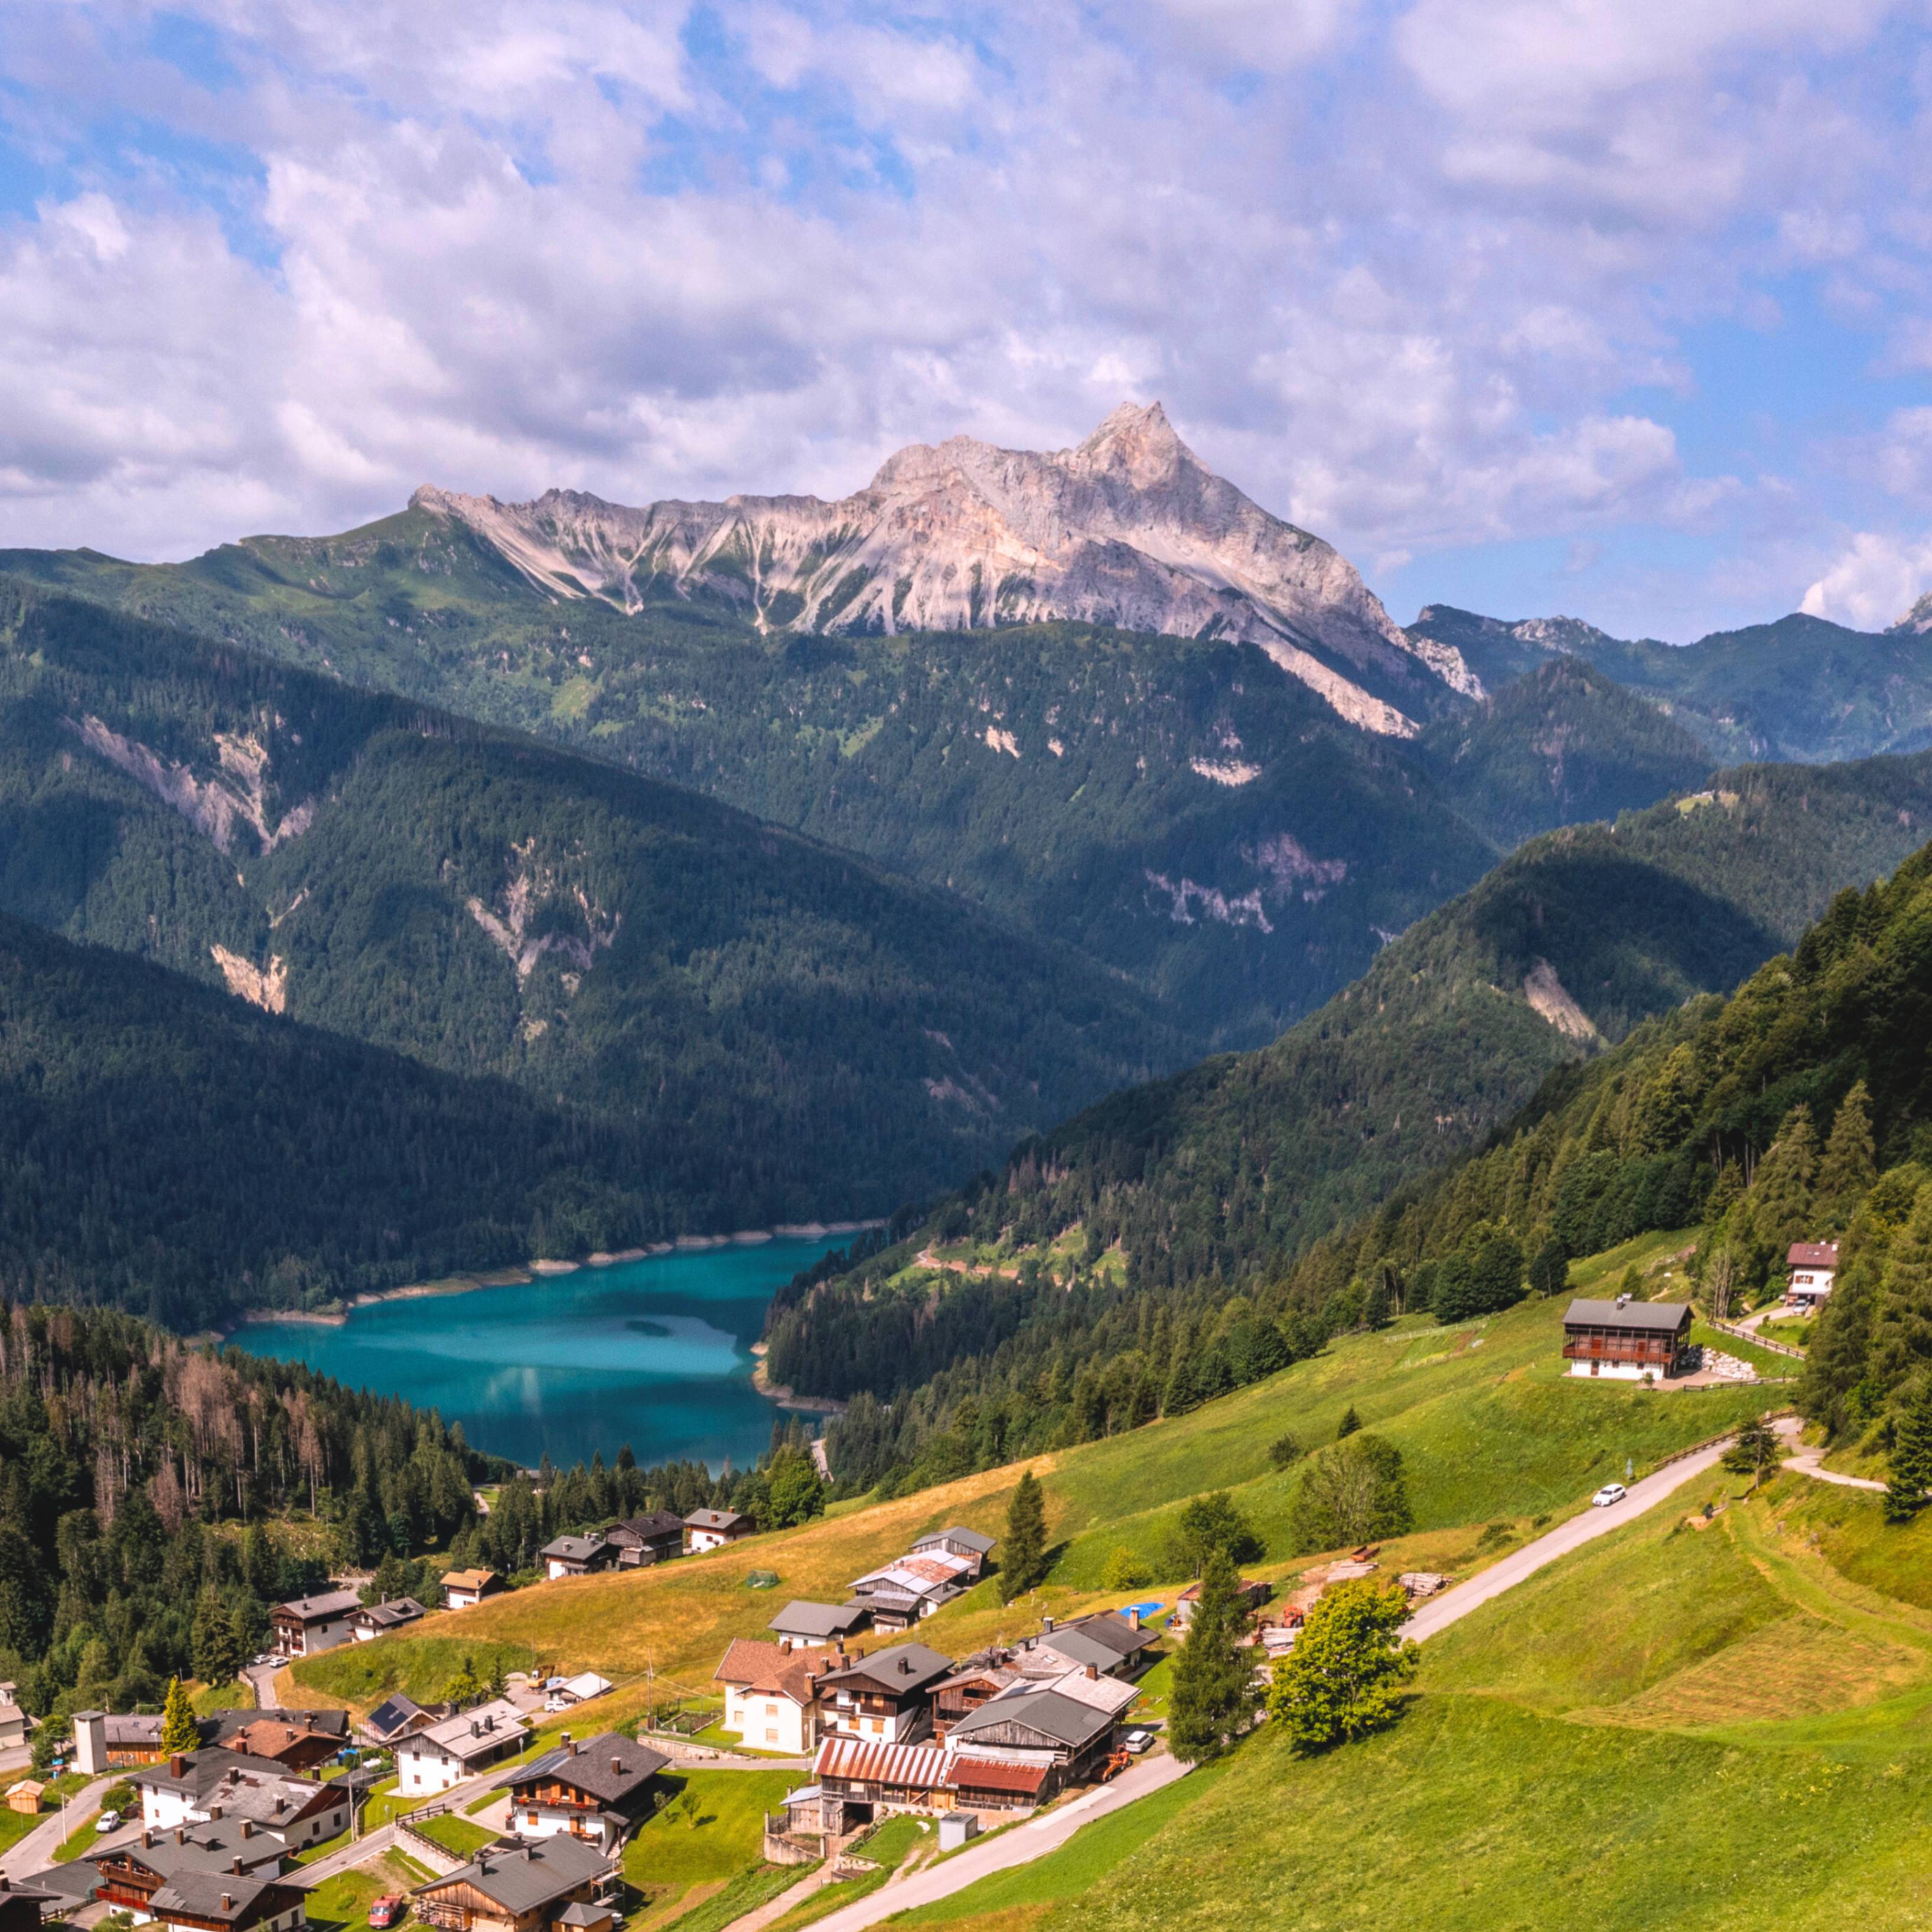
(1061, 1718)
(967, 1539)
(800, 1618)
(392, 1714)
(609, 1768)
(530, 1876)
(228, 1896)
(905, 1667)
(1643, 1318)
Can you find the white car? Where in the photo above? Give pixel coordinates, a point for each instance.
(1611, 1492)
(1138, 1742)
(108, 1821)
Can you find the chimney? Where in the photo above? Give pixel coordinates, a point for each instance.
(227, 1901)
(248, 1828)
(181, 1834)
(147, 1839)
(1092, 1674)
(617, 1767)
(177, 1766)
(570, 1743)
(1046, 1624)
(1134, 1618)
(235, 1864)
(215, 1814)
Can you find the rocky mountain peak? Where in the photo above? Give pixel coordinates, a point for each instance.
(1128, 528)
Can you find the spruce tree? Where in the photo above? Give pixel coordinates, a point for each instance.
(1902, 1335)
(1911, 1470)
(216, 1649)
(1023, 1553)
(1349, 1424)
(1782, 1208)
(1850, 1166)
(179, 1730)
(1213, 1695)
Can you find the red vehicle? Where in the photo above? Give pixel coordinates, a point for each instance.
(386, 1912)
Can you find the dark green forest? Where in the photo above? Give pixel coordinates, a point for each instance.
(744, 1026)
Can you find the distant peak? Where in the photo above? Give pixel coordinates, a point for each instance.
(1136, 440)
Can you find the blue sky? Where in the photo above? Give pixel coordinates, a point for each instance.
(1621, 310)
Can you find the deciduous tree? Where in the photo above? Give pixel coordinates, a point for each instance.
(1345, 1676)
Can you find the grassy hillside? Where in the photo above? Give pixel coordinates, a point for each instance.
(782, 1031)
(1719, 1726)
(1490, 1429)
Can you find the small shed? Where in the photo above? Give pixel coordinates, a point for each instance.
(26, 1796)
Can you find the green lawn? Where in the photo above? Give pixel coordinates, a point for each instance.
(675, 1860)
(233, 1696)
(455, 1835)
(1675, 1729)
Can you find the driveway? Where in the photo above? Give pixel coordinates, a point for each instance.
(1811, 1462)
(1019, 1846)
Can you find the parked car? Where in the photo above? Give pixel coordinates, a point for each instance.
(108, 1821)
(387, 1911)
(1138, 1742)
(1611, 1492)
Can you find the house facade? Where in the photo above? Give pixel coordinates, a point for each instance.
(771, 1694)
(712, 1529)
(441, 1755)
(308, 1625)
(577, 1556)
(215, 1787)
(969, 1544)
(464, 1589)
(375, 1620)
(1813, 1267)
(884, 1699)
(654, 1538)
(1626, 1340)
(530, 1887)
(598, 1790)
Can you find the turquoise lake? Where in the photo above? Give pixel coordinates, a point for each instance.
(654, 1353)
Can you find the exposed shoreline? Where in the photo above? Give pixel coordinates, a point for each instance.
(545, 1269)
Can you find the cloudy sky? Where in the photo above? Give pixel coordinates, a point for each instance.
(1620, 308)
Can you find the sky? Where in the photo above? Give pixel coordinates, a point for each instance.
(1620, 309)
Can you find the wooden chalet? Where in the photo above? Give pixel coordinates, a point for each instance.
(598, 1790)
(1067, 1735)
(887, 1697)
(21, 1905)
(577, 1556)
(464, 1589)
(858, 1781)
(1627, 1339)
(525, 1888)
(655, 1537)
(999, 1784)
(205, 1901)
(305, 1625)
(712, 1529)
(126, 1877)
(375, 1620)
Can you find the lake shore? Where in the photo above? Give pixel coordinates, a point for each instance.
(545, 1269)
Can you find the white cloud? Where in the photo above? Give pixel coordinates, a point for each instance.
(1418, 285)
(1877, 580)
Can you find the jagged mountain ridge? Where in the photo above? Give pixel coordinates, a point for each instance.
(1130, 528)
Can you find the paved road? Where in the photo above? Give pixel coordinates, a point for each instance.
(1018, 1847)
(1455, 1604)
(35, 1851)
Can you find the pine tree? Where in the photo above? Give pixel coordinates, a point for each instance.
(179, 1730)
(1781, 1193)
(1850, 1166)
(1349, 1424)
(1911, 1472)
(1902, 1335)
(1753, 1451)
(1023, 1554)
(1213, 1696)
(217, 1651)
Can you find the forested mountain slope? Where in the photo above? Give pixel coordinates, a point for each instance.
(1801, 688)
(781, 1031)
(170, 1148)
(1231, 1175)
(1180, 810)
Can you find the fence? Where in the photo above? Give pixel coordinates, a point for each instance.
(1758, 1341)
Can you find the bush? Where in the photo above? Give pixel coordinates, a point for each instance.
(1283, 1450)
(1125, 1570)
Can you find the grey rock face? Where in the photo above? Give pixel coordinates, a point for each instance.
(1129, 529)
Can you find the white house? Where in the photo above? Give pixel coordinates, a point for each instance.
(598, 1790)
(308, 1625)
(712, 1529)
(1814, 1266)
(436, 1759)
(771, 1694)
(199, 1787)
